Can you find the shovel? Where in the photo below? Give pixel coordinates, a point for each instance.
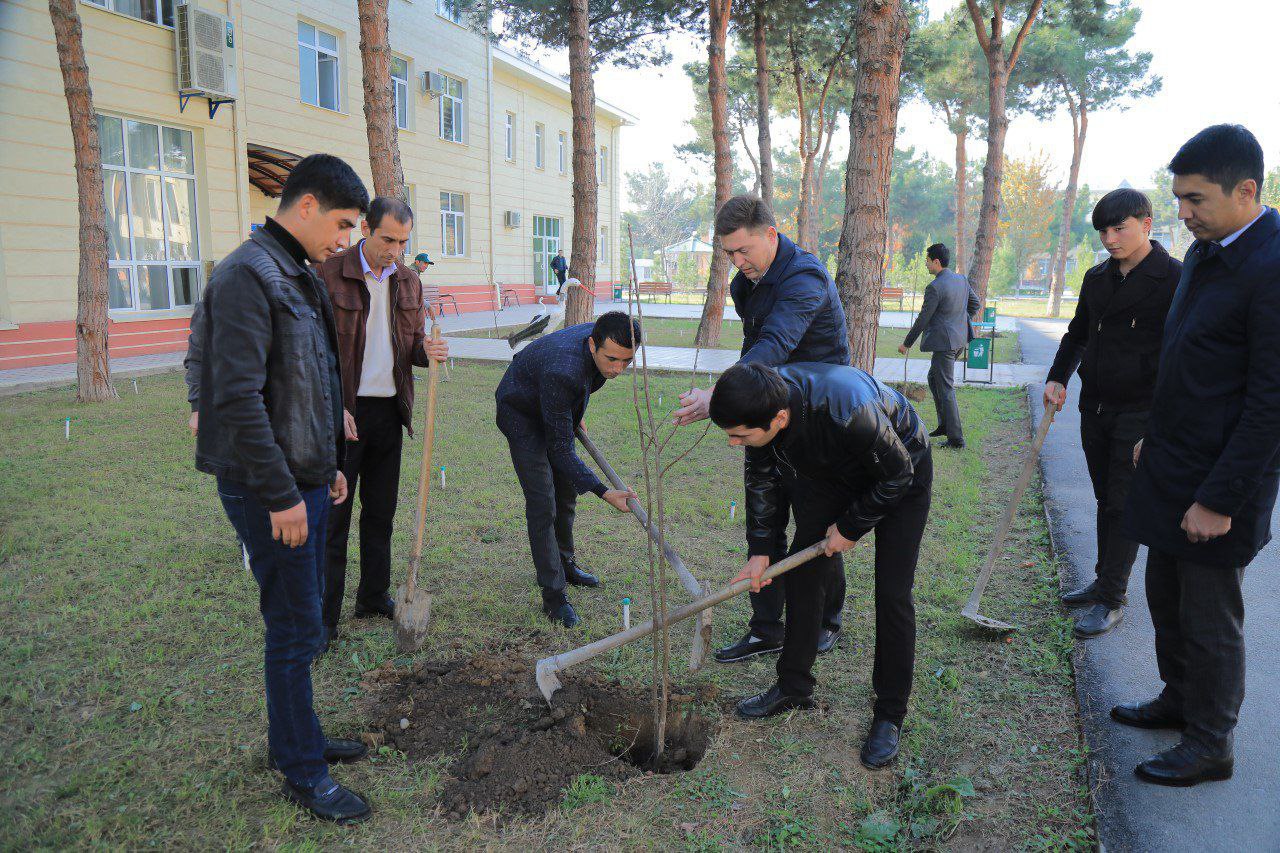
(702, 631)
(548, 669)
(413, 607)
(970, 610)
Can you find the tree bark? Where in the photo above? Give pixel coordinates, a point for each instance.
(962, 181)
(717, 89)
(1079, 127)
(93, 361)
(762, 104)
(999, 67)
(882, 31)
(379, 101)
(580, 301)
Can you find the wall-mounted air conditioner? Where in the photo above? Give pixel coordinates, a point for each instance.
(206, 50)
(511, 219)
(432, 83)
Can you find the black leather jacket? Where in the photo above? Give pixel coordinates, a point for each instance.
(268, 375)
(845, 426)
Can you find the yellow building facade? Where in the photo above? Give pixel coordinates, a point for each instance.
(485, 142)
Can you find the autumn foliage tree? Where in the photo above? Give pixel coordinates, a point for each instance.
(1028, 194)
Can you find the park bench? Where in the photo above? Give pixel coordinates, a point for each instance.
(892, 293)
(436, 300)
(510, 296)
(655, 288)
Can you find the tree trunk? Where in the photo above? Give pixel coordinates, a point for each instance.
(882, 32)
(717, 89)
(580, 301)
(807, 209)
(93, 365)
(1079, 126)
(379, 101)
(762, 105)
(962, 180)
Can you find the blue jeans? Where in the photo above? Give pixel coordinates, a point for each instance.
(291, 584)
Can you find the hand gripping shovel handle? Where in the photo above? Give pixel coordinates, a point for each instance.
(424, 477)
(547, 669)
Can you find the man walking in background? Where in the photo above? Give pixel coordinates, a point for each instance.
(381, 320)
(1114, 343)
(791, 312)
(561, 267)
(1209, 467)
(949, 302)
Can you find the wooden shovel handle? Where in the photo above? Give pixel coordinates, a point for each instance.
(424, 476)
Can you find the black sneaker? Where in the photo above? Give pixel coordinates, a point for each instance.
(827, 640)
(383, 606)
(329, 801)
(576, 575)
(748, 647)
(938, 433)
(771, 702)
(953, 444)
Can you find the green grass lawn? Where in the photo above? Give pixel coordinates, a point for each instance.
(131, 652)
(672, 332)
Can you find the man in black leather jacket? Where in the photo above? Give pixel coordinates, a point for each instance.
(853, 456)
(270, 430)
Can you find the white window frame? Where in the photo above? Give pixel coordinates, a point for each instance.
(454, 99)
(160, 8)
(563, 143)
(399, 90)
(509, 135)
(602, 245)
(453, 211)
(602, 164)
(319, 50)
(539, 146)
(133, 262)
(449, 10)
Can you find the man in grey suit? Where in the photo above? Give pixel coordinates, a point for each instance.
(949, 302)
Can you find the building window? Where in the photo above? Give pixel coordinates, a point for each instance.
(452, 116)
(152, 11)
(318, 67)
(602, 247)
(539, 146)
(603, 163)
(153, 248)
(564, 151)
(400, 90)
(453, 225)
(450, 9)
(510, 129)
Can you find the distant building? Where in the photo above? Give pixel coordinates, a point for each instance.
(695, 248)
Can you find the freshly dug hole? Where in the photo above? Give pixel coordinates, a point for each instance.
(505, 751)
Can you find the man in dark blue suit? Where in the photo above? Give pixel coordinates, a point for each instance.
(1208, 471)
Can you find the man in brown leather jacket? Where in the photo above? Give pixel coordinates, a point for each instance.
(381, 318)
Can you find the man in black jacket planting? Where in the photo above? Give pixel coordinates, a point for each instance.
(1113, 342)
(853, 456)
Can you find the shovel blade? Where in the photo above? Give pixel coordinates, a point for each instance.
(987, 621)
(548, 681)
(413, 617)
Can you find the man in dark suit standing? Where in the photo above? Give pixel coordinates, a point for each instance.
(1208, 470)
(949, 302)
(1114, 343)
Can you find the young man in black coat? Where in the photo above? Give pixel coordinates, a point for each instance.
(1113, 342)
(1209, 467)
(852, 456)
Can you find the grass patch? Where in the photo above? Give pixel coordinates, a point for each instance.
(130, 651)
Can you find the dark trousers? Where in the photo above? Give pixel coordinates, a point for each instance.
(549, 504)
(942, 385)
(818, 504)
(290, 582)
(1108, 439)
(1197, 611)
(768, 605)
(372, 464)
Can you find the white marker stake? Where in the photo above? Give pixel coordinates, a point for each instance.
(135, 386)
(67, 424)
(442, 467)
(733, 509)
(626, 614)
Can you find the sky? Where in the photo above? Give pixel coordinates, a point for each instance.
(1213, 57)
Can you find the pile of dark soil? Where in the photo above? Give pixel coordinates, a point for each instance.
(514, 754)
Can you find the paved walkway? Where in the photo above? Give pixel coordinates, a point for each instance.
(1237, 815)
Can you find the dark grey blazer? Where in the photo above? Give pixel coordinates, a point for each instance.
(949, 302)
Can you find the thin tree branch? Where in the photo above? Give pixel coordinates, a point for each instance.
(1022, 34)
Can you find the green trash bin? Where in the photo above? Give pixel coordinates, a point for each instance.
(617, 292)
(979, 354)
(989, 315)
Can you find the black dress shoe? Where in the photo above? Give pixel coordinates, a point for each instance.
(827, 640)
(770, 702)
(938, 433)
(1152, 714)
(1100, 619)
(1079, 597)
(336, 751)
(329, 801)
(1182, 767)
(382, 606)
(881, 746)
(748, 647)
(578, 576)
(952, 444)
(560, 611)
(327, 635)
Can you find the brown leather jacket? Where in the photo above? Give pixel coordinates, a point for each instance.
(343, 275)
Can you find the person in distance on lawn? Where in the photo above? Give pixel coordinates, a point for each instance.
(541, 401)
(1113, 342)
(854, 457)
(270, 404)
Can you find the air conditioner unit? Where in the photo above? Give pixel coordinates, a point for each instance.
(432, 83)
(512, 219)
(206, 44)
